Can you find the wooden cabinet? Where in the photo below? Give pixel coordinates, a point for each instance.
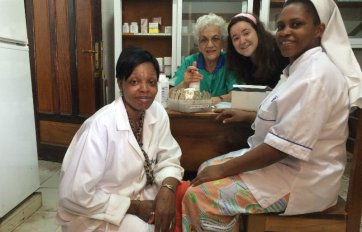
(160, 44)
(205, 138)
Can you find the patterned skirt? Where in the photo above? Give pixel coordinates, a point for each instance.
(214, 205)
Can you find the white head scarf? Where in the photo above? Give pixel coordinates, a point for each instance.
(337, 46)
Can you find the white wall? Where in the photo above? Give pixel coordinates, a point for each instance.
(108, 46)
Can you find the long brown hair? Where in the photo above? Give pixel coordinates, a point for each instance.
(268, 62)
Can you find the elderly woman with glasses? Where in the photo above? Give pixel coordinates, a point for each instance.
(208, 65)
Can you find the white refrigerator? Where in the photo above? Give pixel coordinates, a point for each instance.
(18, 152)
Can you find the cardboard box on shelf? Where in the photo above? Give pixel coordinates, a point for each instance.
(153, 28)
(157, 20)
(144, 25)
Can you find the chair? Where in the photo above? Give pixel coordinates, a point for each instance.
(344, 216)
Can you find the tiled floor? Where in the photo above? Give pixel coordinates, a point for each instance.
(43, 220)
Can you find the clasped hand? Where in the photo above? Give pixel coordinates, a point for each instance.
(161, 212)
(192, 75)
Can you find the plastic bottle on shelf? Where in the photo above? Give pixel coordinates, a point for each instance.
(134, 27)
(163, 90)
(125, 28)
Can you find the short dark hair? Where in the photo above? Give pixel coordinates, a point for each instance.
(310, 8)
(130, 57)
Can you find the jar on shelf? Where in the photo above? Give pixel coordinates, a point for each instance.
(134, 27)
(125, 28)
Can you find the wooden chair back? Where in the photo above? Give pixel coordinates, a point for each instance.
(345, 216)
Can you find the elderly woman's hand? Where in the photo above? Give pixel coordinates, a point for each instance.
(191, 75)
(215, 100)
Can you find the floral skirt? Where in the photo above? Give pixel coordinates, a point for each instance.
(214, 205)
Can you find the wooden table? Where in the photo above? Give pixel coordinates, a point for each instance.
(201, 137)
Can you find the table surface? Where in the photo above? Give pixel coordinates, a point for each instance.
(205, 115)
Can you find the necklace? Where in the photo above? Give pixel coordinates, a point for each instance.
(138, 135)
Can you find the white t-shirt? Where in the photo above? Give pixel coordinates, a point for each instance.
(305, 117)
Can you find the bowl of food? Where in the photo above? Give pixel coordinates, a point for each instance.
(189, 100)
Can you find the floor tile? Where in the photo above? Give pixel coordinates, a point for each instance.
(39, 222)
(47, 170)
(44, 219)
(52, 181)
(49, 199)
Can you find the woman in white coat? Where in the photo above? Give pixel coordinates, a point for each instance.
(297, 154)
(122, 167)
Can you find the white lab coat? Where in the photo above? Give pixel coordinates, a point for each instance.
(305, 117)
(103, 169)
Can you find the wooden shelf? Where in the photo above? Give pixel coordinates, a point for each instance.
(277, 3)
(134, 11)
(145, 35)
(159, 44)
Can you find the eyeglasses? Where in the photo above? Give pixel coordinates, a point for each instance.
(214, 40)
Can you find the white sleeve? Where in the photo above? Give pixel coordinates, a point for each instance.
(302, 111)
(82, 169)
(169, 152)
